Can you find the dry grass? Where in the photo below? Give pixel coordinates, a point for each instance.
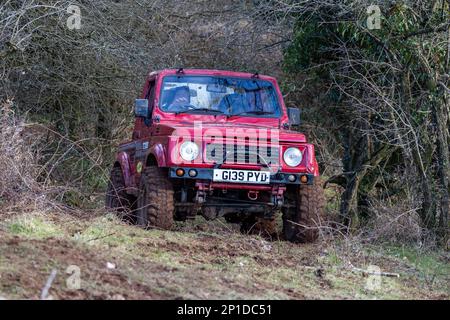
(19, 169)
(397, 223)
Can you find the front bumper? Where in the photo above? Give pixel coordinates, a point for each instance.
(207, 174)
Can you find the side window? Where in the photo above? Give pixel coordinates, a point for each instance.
(150, 95)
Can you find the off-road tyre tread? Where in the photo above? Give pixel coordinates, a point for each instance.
(158, 190)
(308, 215)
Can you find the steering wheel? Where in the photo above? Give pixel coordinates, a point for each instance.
(189, 107)
(182, 108)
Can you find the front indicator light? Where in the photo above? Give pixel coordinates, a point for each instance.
(179, 172)
(304, 179)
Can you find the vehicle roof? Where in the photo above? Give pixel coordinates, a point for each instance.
(212, 72)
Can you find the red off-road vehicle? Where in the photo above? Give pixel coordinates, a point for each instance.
(219, 144)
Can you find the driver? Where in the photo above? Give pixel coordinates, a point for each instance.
(181, 98)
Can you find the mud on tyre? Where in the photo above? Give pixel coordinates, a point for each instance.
(155, 203)
(305, 212)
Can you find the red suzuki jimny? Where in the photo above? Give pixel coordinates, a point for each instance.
(219, 144)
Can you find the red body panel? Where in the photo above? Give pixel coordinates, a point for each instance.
(124, 160)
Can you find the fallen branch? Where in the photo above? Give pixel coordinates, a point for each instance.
(102, 237)
(374, 273)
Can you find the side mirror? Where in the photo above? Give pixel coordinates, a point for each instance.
(141, 108)
(294, 116)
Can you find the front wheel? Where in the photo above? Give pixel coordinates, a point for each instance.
(304, 213)
(155, 204)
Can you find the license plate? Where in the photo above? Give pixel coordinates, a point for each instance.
(241, 176)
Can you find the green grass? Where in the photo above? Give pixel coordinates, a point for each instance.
(425, 261)
(34, 227)
(106, 230)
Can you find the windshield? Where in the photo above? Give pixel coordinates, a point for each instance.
(219, 95)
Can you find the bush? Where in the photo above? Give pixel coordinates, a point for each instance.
(19, 167)
(397, 223)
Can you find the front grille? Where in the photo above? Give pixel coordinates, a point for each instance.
(241, 154)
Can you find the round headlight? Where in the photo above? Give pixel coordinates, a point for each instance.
(292, 157)
(189, 151)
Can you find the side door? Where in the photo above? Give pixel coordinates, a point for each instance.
(143, 132)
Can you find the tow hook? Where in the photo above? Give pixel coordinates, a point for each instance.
(252, 195)
(280, 203)
(200, 196)
(277, 196)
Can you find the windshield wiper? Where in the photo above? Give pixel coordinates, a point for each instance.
(198, 109)
(257, 112)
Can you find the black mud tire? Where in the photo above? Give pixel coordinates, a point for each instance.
(155, 203)
(301, 222)
(117, 198)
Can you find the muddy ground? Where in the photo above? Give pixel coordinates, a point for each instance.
(200, 260)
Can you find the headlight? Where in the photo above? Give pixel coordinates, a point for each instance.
(292, 157)
(189, 150)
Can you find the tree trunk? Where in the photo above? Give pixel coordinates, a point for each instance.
(441, 119)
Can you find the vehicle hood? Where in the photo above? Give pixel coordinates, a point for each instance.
(229, 131)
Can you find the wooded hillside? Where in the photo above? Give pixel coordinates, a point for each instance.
(370, 77)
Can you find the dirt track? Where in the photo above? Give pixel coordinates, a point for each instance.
(199, 260)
